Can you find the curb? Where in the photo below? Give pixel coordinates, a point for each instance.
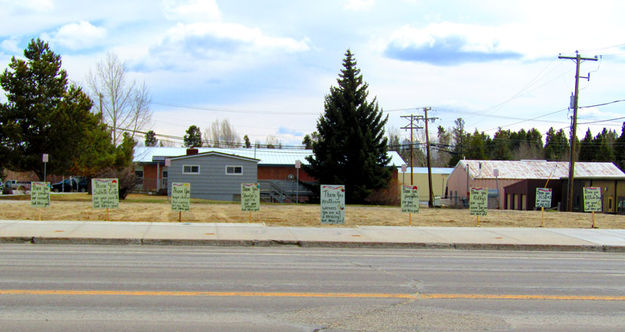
(312, 244)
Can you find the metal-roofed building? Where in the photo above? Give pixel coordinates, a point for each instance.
(276, 167)
(499, 174)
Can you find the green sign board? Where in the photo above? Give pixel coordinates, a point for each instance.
(39, 194)
(332, 204)
(478, 201)
(105, 193)
(409, 199)
(592, 199)
(543, 197)
(180, 196)
(250, 196)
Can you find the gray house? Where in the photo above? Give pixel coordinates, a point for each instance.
(213, 175)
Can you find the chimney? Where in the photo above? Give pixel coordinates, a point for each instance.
(192, 151)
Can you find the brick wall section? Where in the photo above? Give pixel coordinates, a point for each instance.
(281, 173)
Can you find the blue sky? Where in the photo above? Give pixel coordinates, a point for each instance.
(267, 65)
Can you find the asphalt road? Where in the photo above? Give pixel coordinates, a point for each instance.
(45, 287)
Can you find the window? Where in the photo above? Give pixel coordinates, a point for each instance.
(234, 170)
(165, 174)
(139, 174)
(190, 169)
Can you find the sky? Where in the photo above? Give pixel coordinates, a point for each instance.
(266, 66)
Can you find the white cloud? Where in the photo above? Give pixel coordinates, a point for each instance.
(358, 5)
(191, 10)
(10, 46)
(221, 43)
(77, 35)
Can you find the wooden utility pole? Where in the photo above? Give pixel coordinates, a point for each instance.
(412, 126)
(427, 144)
(578, 59)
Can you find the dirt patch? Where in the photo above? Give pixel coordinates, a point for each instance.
(157, 209)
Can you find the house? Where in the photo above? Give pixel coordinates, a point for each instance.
(276, 169)
(499, 174)
(420, 179)
(213, 175)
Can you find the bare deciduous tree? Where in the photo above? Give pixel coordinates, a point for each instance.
(221, 134)
(125, 104)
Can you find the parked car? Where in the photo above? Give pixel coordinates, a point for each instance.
(17, 185)
(72, 184)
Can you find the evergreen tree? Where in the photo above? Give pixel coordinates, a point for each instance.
(587, 148)
(556, 145)
(193, 138)
(460, 139)
(619, 149)
(476, 149)
(43, 114)
(500, 148)
(351, 149)
(604, 146)
(150, 138)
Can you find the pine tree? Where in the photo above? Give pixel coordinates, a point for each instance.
(150, 138)
(587, 148)
(193, 138)
(352, 147)
(43, 114)
(556, 145)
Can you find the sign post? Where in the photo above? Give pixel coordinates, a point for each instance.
(250, 198)
(180, 198)
(478, 203)
(44, 158)
(409, 201)
(105, 194)
(543, 200)
(592, 202)
(298, 165)
(332, 204)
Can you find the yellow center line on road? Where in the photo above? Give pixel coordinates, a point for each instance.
(317, 295)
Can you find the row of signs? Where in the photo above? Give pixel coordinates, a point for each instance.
(105, 194)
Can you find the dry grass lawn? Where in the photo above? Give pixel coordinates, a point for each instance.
(157, 209)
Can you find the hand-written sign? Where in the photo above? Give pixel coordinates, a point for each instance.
(250, 197)
(543, 197)
(105, 193)
(409, 199)
(180, 196)
(592, 199)
(478, 201)
(39, 194)
(332, 204)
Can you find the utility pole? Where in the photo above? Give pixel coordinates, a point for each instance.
(427, 144)
(411, 127)
(578, 59)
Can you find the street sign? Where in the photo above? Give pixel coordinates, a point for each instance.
(332, 204)
(105, 193)
(543, 197)
(39, 194)
(478, 201)
(45, 158)
(592, 199)
(409, 199)
(180, 196)
(250, 197)
(298, 164)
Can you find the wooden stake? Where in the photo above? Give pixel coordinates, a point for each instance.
(250, 216)
(478, 221)
(542, 212)
(593, 220)
(179, 216)
(107, 215)
(410, 219)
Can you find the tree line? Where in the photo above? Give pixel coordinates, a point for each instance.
(454, 144)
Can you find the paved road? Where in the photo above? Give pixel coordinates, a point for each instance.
(46, 287)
